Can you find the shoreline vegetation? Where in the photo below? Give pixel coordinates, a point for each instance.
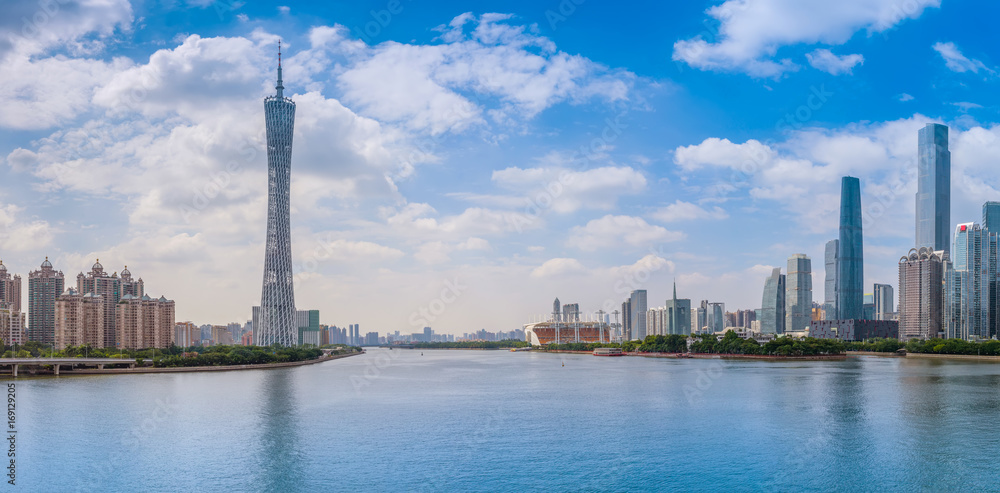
(708, 345)
(194, 358)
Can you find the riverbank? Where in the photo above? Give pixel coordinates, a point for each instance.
(766, 357)
(182, 369)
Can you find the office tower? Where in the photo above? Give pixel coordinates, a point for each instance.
(571, 312)
(832, 272)
(44, 286)
(556, 311)
(428, 334)
(10, 288)
(991, 217)
(745, 318)
(654, 321)
(627, 320)
(920, 293)
(798, 293)
(110, 288)
(80, 319)
(12, 329)
(677, 313)
(884, 302)
(638, 318)
(966, 312)
(772, 315)
(701, 316)
(277, 300)
(850, 256)
(149, 323)
(716, 317)
(933, 188)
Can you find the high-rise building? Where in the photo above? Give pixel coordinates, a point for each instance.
(885, 303)
(991, 217)
(966, 310)
(44, 286)
(638, 306)
(571, 312)
(147, 322)
(933, 188)
(12, 329)
(80, 319)
(798, 292)
(850, 255)
(556, 311)
(716, 317)
(110, 288)
(745, 318)
(921, 293)
(772, 317)
(186, 334)
(991, 253)
(830, 286)
(277, 301)
(701, 317)
(10, 288)
(677, 315)
(627, 320)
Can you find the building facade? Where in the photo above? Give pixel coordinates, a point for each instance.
(110, 288)
(772, 312)
(966, 283)
(276, 323)
(850, 256)
(10, 288)
(885, 302)
(854, 330)
(921, 293)
(186, 334)
(80, 319)
(44, 286)
(830, 282)
(145, 322)
(798, 292)
(12, 325)
(933, 218)
(637, 306)
(677, 315)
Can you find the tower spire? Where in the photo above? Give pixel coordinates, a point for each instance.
(675, 291)
(280, 87)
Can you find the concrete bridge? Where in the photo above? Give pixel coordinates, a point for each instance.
(57, 362)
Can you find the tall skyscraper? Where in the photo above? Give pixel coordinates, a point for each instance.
(716, 317)
(627, 320)
(991, 217)
(44, 286)
(638, 318)
(966, 312)
(884, 302)
(830, 286)
(701, 317)
(678, 315)
(556, 311)
(921, 293)
(277, 301)
(850, 255)
(772, 312)
(798, 293)
(933, 188)
(10, 289)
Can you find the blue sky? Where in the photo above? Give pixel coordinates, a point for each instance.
(461, 168)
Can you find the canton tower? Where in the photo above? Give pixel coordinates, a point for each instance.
(276, 323)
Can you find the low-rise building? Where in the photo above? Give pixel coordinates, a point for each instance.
(854, 329)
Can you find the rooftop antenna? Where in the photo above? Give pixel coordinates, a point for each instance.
(280, 87)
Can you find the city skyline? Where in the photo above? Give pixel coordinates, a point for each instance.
(413, 181)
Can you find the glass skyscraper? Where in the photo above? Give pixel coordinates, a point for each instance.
(798, 295)
(966, 311)
(830, 286)
(884, 302)
(276, 324)
(850, 255)
(638, 318)
(772, 312)
(991, 217)
(933, 188)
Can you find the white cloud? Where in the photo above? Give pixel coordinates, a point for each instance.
(956, 61)
(558, 267)
(352, 251)
(563, 191)
(613, 231)
(750, 33)
(721, 152)
(904, 97)
(418, 85)
(21, 236)
(826, 61)
(686, 211)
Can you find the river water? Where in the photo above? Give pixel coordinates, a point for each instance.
(406, 420)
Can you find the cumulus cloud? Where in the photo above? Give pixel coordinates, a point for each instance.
(558, 267)
(22, 236)
(750, 33)
(613, 231)
(420, 86)
(826, 61)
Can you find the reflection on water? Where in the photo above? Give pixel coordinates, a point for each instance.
(278, 454)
